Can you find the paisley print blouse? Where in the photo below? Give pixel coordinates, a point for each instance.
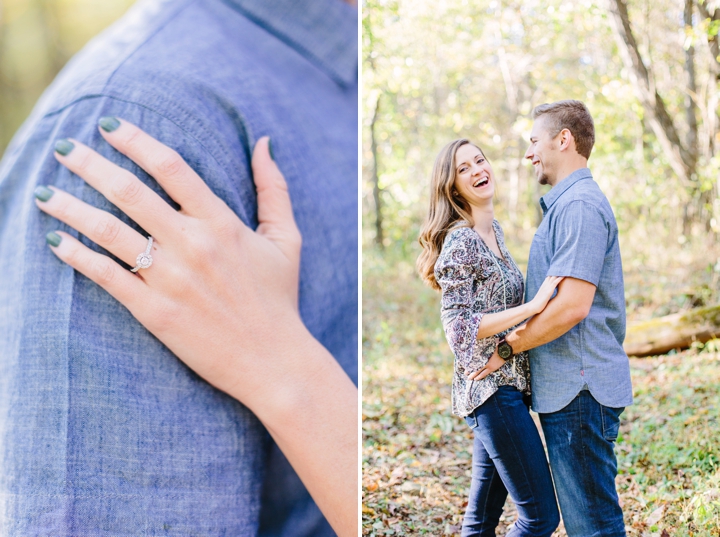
(474, 282)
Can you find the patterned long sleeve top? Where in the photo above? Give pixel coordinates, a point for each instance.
(475, 281)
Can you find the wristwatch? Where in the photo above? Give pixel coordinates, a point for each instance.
(504, 349)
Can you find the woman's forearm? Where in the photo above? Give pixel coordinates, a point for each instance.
(312, 416)
(494, 323)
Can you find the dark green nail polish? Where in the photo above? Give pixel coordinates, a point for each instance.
(43, 193)
(53, 239)
(108, 124)
(64, 147)
(272, 155)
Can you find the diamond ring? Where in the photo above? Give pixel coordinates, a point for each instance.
(144, 260)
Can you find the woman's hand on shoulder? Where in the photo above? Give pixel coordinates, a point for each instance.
(217, 293)
(222, 297)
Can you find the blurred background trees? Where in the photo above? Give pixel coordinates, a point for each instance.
(37, 38)
(436, 70)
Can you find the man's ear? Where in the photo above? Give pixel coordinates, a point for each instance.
(566, 139)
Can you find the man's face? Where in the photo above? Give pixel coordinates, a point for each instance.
(543, 152)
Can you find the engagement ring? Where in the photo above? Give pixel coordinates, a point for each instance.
(144, 260)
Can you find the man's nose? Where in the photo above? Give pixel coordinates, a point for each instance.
(528, 154)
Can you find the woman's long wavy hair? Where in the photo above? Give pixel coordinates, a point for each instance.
(447, 211)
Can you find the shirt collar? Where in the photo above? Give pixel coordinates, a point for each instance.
(324, 31)
(558, 190)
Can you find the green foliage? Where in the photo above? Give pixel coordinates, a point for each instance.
(36, 39)
(476, 68)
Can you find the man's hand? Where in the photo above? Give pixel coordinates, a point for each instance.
(569, 307)
(493, 364)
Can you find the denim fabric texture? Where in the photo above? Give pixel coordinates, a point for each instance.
(580, 439)
(103, 431)
(578, 237)
(508, 456)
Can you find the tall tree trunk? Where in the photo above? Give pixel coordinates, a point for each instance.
(696, 209)
(644, 83)
(691, 94)
(712, 114)
(683, 156)
(376, 179)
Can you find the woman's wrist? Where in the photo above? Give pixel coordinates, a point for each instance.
(263, 372)
(534, 308)
(311, 413)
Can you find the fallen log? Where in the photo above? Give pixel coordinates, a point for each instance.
(678, 331)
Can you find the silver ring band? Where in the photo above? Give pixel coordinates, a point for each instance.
(144, 260)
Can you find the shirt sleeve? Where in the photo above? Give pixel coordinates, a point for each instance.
(104, 404)
(580, 242)
(456, 273)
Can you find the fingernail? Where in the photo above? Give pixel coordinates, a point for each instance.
(64, 147)
(272, 155)
(108, 124)
(43, 193)
(53, 239)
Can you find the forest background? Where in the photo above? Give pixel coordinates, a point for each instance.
(436, 70)
(37, 38)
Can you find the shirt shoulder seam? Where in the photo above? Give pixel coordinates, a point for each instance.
(174, 121)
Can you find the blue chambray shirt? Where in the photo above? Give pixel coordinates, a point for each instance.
(102, 430)
(578, 237)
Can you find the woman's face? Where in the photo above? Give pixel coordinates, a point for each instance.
(474, 178)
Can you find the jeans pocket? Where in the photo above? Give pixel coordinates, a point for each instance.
(471, 420)
(611, 422)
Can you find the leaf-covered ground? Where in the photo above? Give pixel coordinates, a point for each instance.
(416, 459)
(416, 455)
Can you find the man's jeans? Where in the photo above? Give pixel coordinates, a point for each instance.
(580, 440)
(508, 456)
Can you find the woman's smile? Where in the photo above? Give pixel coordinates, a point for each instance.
(474, 176)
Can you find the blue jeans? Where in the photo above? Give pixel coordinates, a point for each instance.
(580, 440)
(508, 456)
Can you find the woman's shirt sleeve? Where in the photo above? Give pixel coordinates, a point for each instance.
(456, 271)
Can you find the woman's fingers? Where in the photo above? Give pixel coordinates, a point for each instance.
(119, 282)
(275, 215)
(493, 364)
(165, 165)
(553, 281)
(100, 227)
(120, 187)
(476, 375)
(482, 374)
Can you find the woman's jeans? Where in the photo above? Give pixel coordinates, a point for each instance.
(508, 456)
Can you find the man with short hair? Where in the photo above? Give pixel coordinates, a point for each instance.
(580, 372)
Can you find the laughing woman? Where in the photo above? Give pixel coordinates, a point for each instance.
(464, 256)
